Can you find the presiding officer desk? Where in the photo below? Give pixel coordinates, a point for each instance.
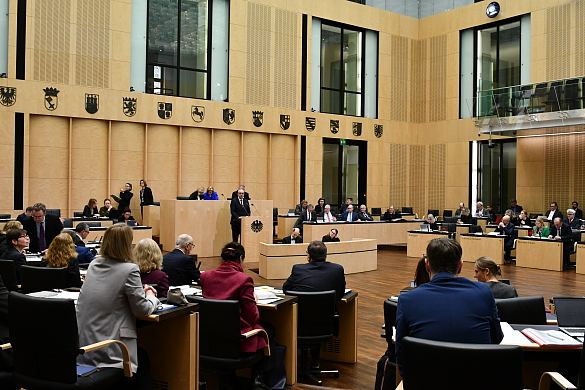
(384, 232)
(276, 260)
(418, 240)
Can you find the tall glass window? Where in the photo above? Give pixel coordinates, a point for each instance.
(341, 69)
(178, 60)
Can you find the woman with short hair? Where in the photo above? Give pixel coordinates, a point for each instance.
(148, 257)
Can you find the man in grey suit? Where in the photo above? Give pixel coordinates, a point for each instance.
(481, 211)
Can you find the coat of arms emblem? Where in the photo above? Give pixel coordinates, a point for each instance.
(378, 130)
(357, 129)
(284, 122)
(165, 110)
(92, 103)
(129, 106)
(229, 116)
(51, 98)
(334, 126)
(7, 96)
(258, 118)
(197, 113)
(310, 123)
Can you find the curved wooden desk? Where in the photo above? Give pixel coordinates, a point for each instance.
(277, 260)
(386, 233)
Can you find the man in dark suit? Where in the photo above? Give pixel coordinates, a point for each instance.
(363, 215)
(349, 215)
(294, 237)
(561, 231)
(448, 308)
(331, 237)
(574, 223)
(42, 228)
(81, 233)
(578, 211)
(84, 254)
(308, 215)
(391, 214)
(515, 207)
(554, 212)
(243, 188)
(507, 228)
(239, 207)
(178, 265)
(27, 213)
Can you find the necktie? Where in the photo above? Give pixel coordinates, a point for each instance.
(42, 237)
(242, 202)
(308, 215)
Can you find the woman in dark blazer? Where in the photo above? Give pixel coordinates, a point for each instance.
(126, 217)
(146, 197)
(487, 271)
(125, 197)
(62, 254)
(320, 206)
(90, 208)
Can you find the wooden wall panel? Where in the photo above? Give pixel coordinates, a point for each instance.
(378, 175)
(7, 166)
(418, 81)
(226, 161)
(282, 171)
(399, 52)
(417, 192)
(579, 45)
(255, 169)
(287, 57)
(557, 156)
(437, 95)
(398, 175)
(127, 158)
(314, 168)
(259, 53)
(579, 170)
(435, 188)
(48, 161)
(89, 162)
(162, 161)
(530, 168)
(558, 30)
(92, 65)
(195, 166)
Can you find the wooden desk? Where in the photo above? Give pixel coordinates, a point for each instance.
(539, 253)
(283, 315)
(139, 232)
(105, 222)
(343, 348)
(171, 341)
(580, 258)
(462, 228)
(476, 245)
(386, 233)
(482, 222)
(285, 225)
(276, 260)
(151, 217)
(417, 241)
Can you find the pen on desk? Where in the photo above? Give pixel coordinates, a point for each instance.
(555, 337)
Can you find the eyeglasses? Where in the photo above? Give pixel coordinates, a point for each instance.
(23, 236)
(191, 244)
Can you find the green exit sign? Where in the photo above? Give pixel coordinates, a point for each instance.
(342, 142)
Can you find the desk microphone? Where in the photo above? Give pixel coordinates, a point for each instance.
(224, 198)
(255, 208)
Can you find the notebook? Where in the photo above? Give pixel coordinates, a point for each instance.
(571, 315)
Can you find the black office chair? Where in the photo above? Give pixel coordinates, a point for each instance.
(8, 274)
(428, 364)
(156, 203)
(33, 279)
(182, 198)
(45, 350)
(571, 97)
(56, 212)
(434, 212)
(522, 310)
(376, 211)
(316, 323)
(450, 219)
(390, 308)
(407, 210)
(68, 222)
(447, 213)
(94, 224)
(274, 220)
(78, 214)
(220, 335)
(554, 96)
(5, 216)
(475, 229)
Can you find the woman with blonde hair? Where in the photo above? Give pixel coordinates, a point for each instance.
(210, 194)
(148, 257)
(62, 254)
(90, 208)
(487, 271)
(539, 230)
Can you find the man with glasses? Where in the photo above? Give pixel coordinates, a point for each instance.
(178, 265)
(81, 233)
(574, 223)
(42, 228)
(554, 212)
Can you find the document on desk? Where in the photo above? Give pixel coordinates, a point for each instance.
(265, 297)
(551, 338)
(188, 290)
(512, 336)
(56, 294)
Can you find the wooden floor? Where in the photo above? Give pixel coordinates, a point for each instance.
(394, 272)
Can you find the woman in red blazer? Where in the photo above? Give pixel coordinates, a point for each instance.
(228, 281)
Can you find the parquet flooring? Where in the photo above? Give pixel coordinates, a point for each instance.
(394, 272)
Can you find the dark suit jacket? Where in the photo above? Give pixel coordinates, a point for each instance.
(299, 209)
(84, 255)
(575, 223)
(509, 231)
(180, 268)
(566, 233)
(448, 308)
(235, 195)
(389, 217)
(53, 227)
(365, 216)
(327, 238)
(502, 290)
(87, 212)
(288, 240)
(354, 216)
(21, 217)
(195, 196)
(125, 197)
(146, 198)
(78, 241)
(304, 218)
(578, 214)
(238, 211)
(557, 214)
(13, 254)
(516, 209)
(316, 276)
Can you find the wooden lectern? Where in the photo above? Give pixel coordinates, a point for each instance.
(254, 231)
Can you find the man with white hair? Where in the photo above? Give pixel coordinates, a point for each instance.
(507, 228)
(561, 231)
(327, 216)
(481, 211)
(178, 265)
(574, 223)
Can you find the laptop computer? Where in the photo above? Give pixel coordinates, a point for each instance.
(425, 227)
(571, 315)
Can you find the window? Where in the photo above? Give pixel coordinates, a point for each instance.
(179, 47)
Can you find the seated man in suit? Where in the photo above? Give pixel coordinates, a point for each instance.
(349, 215)
(308, 215)
(507, 228)
(348, 202)
(42, 228)
(84, 254)
(515, 207)
(301, 207)
(481, 211)
(23, 216)
(327, 215)
(554, 212)
(178, 265)
(294, 237)
(316, 275)
(561, 231)
(460, 209)
(81, 233)
(391, 214)
(578, 211)
(331, 237)
(574, 223)
(363, 215)
(448, 308)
